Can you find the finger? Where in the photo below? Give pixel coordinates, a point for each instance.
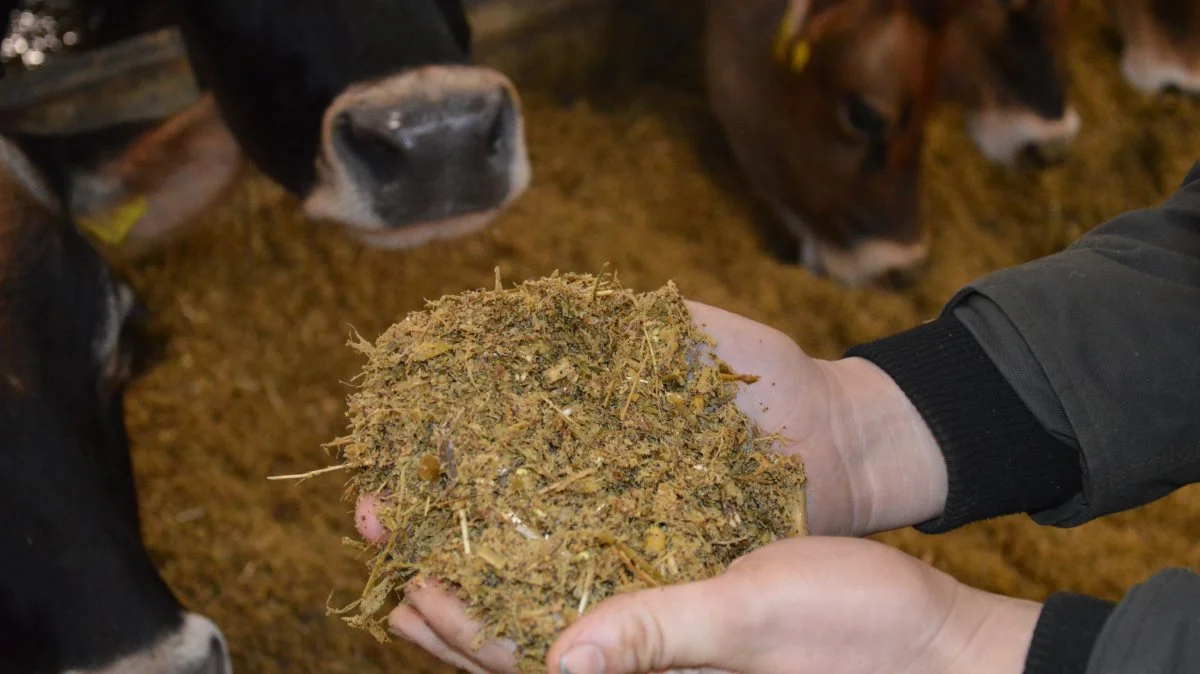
(447, 617)
(753, 348)
(678, 627)
(405, 622)
(366, 519)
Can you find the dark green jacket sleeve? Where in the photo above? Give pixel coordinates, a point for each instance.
(1068, 388)
(1102, 342)
(1155, 628)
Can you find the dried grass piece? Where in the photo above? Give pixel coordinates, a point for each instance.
(539, 447)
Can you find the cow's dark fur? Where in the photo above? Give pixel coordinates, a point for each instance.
(1177, 18)
(1026, 59)
(77, 587)
(276, 65)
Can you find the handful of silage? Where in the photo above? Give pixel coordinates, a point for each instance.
(543, 447)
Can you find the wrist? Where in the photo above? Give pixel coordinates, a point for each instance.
(897, 472)
(998, 456)
(987, 633)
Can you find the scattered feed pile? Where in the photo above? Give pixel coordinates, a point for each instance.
(545, 446)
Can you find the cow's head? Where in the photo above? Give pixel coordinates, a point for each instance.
(1161, 43)
(824, 103)
(1006, 64)
(78, 592)
(371, 112)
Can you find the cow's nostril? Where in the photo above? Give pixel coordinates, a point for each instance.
(367, 136)
(216, 661)
(1171, 89)
(503, 127)
(1030, 157)
(199, 648)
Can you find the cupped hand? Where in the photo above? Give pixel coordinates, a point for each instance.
(805, 606)
(870, 463)
(810, 605)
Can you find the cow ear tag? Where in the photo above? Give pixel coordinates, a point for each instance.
(114, 225)
(801, 54)
(795, 55)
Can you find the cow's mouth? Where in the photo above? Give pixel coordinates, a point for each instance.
(417, 235)
(871, 261)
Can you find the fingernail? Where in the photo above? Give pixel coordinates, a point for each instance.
(586, 659)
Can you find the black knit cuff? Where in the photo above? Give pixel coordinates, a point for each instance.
(1066, 633)
(1000, 460)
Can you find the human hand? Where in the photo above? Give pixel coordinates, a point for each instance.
(870, 462)
(827, 605)
(812, 604)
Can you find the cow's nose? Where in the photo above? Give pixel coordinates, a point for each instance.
(216, 661)
(202, 648)
(196, 647)
(433, 158)
(874, 262)
(1153, 72)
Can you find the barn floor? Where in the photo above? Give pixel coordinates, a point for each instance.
(259, 305)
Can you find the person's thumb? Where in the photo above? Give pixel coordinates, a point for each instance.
(674, 627)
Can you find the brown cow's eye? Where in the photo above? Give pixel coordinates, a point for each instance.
(863, 118)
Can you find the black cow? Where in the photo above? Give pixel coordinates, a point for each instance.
(78, 592)
(370, 112)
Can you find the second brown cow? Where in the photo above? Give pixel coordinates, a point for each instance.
(824, 104)
(1161, 43)
(1005, 63)
(827, 127)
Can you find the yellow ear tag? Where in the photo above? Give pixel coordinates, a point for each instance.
(794, 55)
(790, 49)
(801, 54)
(112, 227)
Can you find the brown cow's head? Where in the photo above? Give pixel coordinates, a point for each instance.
(1006, 63)
(824, 103)
(1161, 43)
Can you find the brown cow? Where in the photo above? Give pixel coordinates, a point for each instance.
(828, 125)
(1161, 43)
(1005, 63)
